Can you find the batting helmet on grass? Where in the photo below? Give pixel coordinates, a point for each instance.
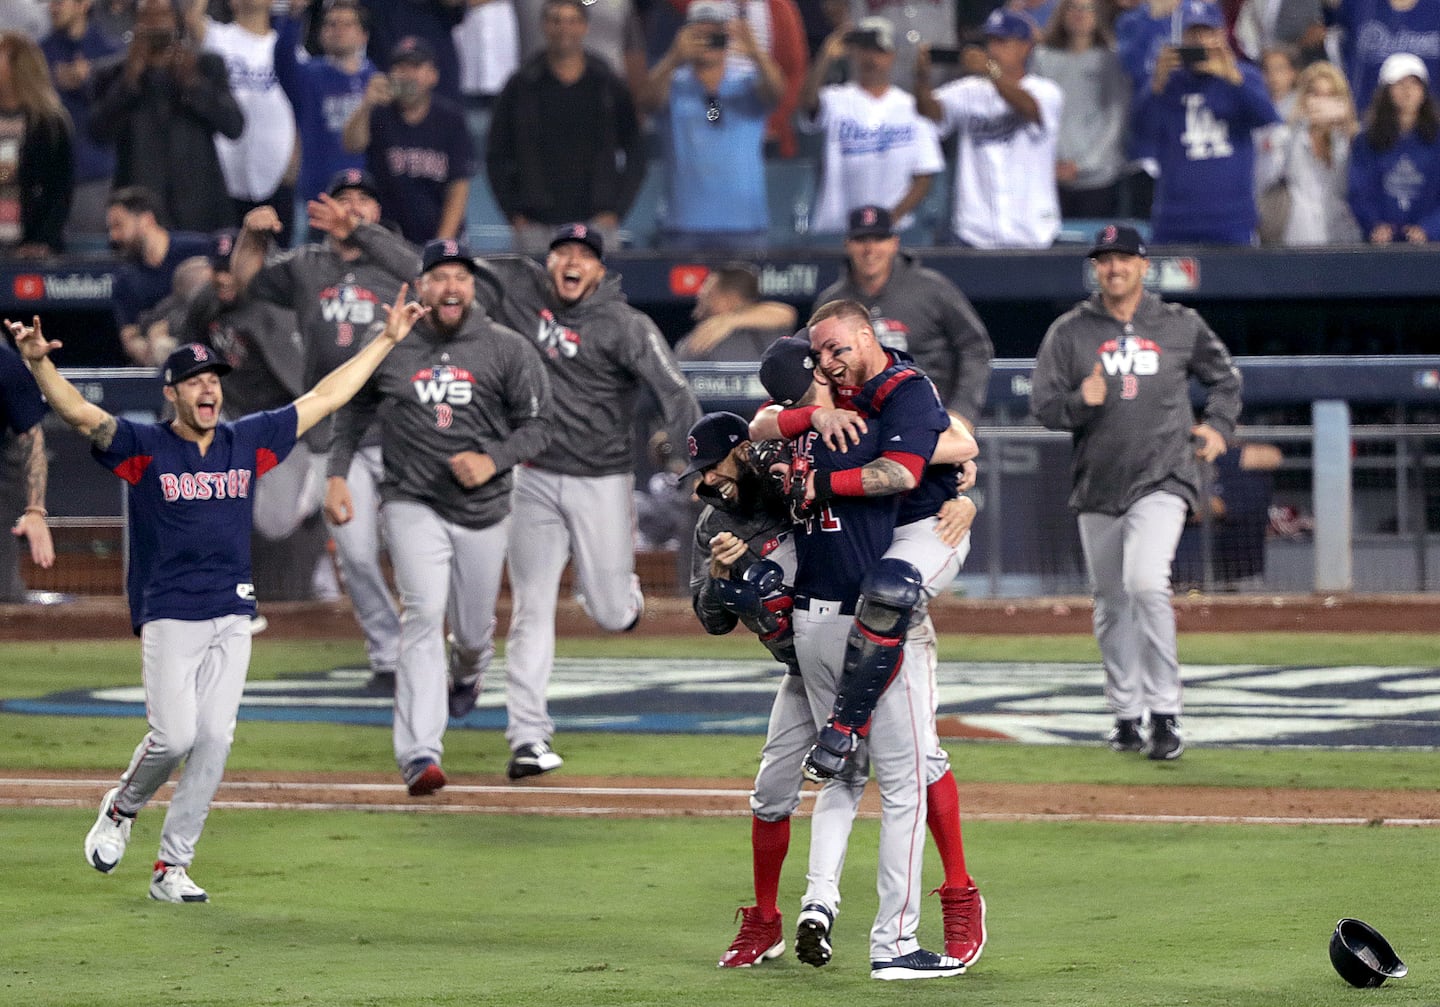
(1362, 957)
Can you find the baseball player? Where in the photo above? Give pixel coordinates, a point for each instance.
(463, 402)
(337, 288)
(931, 540)
(1115, 371)
(576, 498)
(744, 562)
(1006, 122)
(916, 310)
(190, 483)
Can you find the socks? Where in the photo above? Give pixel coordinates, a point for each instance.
(943, 817)
(769, 842)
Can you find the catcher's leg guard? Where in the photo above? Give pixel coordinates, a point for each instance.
(888, 597)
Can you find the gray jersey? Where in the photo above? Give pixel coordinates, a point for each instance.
(600, 353)
(481, 390)
(1138, 440)
(921, 312)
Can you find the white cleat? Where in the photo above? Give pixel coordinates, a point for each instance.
(106, 841)
(172, 883)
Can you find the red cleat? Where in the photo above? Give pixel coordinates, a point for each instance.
(759, 940)
(964, 913)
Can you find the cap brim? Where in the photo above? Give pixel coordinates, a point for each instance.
(466, 261)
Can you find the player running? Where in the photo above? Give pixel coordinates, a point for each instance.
(190, 484)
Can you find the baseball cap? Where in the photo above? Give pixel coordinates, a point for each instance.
(710, 12)
(787, 369)
(713, 437)
(192, 359)
(412, 49)
(1399, 65)
(1004, 23)
(353, 178)
(870, 222)
(874, 32)
(1201, 14)
(222, 243)
(584, 234)
(1118, 238)
(441, 250)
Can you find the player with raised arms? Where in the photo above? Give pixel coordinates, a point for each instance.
(190, 485)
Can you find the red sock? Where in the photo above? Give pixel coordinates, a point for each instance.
(769, 842)
(943, 816)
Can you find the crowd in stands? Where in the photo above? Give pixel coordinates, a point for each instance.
(1288, 122)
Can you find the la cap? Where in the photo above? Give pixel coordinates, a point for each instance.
(1003, 23)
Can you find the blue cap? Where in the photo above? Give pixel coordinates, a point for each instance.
(353, 178)
(442, 250)
(1004, 23)
(192, 359)
(713, 437)
(1201, 14)
(582, 234)
(787, 370)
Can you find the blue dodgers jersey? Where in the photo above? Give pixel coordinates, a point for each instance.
(191, 515)
(836, 546)
(912, 418)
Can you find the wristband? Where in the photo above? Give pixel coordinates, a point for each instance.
(845, 483)
(36, 510)
(794, 422)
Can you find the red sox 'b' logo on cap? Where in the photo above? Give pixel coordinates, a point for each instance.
(1108, 235)
(201, 354)
(451, 247)
(868, 217)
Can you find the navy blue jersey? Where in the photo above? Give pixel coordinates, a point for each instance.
(21, 405)
(838, 544)
(911, 420)
(139, 286)
(191, 515)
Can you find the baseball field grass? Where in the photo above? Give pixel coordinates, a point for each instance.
(383, 908)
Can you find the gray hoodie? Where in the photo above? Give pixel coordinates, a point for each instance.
(480, 390)
(599, 352)
(921, 312)
(1138, 440)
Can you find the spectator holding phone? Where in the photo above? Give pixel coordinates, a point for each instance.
(162, 106)
(1310, 156)
(1197, 118)
(1006, 121)
(879, 151)
(1395, 165)
(1077, 52)
(711, 109)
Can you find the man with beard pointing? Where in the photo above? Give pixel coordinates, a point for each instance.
(459, 410)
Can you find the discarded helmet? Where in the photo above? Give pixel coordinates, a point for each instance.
(1362, 957)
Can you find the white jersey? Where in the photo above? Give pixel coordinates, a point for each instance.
(1005, 167)
(255, 164)
(873, 148)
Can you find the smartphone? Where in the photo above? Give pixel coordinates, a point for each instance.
(944, 56)
(1191, 55)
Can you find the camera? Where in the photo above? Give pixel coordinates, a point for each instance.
(1191, 55)
(863, 39)
(717, 40)
(944, 56)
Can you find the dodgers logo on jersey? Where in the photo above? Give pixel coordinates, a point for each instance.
(556, 339)
(348, 305)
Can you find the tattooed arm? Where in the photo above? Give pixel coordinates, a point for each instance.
(63, 397)
(31, 524)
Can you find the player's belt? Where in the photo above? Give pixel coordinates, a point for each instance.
(823, 606)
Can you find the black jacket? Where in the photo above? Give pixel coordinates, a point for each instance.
(47, 181)
(513, 160)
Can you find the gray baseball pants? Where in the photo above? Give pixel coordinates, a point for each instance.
(194, 675)
(443, 570)
(1129, 557)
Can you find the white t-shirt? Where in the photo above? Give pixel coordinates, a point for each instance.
(873, 148)
(1005, 167)
(253, 165)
